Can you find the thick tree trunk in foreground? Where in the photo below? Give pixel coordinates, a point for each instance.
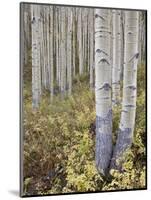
(103, 90)
(127, 122)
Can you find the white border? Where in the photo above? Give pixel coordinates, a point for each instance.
(9, 99)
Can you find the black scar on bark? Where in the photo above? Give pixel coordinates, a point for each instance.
(33, 20)
(129, 32)
(129, 106)
(135, 56)
(103, 32)
(96, 16)
(115, 83)
(106, 87)
(132, 87)
(101, 51)
(103, 60)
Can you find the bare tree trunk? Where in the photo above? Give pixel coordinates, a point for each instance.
(91, 35)
(35, 57)
(69, 50)
(127, 122)
(74, 41)
(63, 55)
(57, 44)
(80, 41)
(51, 51)
(116, 70)
(103, 90)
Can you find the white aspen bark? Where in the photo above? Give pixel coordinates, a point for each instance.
(25, 35)
(51, 52)
(127, 122)
(74, 41)
(39, 49)
(144, 36)
(45, 55)
(35, 58)
(60, 46)
(57, 45)
(84, 38)
(140, 38)
(47, 49)
(122, 44)
(91, 35)
(63, 56)
(69, 49)
(80, 41)
(42, 51)
(116, 70)
(103, 90)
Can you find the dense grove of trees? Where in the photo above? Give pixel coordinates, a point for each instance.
(62, 47)
(107, 45)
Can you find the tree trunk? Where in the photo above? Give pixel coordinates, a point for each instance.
(69, 49)
(63, 55)
(51, 52)
(127, 122)
(35, 57)
(116, 70)
(80, 41)
(103, 90)
(91, 45)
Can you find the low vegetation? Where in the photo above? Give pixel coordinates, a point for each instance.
(59, 144)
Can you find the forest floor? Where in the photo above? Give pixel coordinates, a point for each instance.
(59, 144)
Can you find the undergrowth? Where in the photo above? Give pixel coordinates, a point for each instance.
(59, 144)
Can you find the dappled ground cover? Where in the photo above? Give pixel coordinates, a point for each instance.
(59, 144)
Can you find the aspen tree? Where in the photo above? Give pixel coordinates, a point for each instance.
(103, 90)
(127, 121)
(63, 56)
(57, 45)
(116, 70)
(35, 58)
(73, 41)
(91, 43)
(69, 49)
(80, 41)
(51, 51)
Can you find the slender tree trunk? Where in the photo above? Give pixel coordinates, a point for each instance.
(103, 90)
(63, 55)
(127, 122)
(122, 44)
(51, 52)
(69, 49)
(116, 70)
(48, 48)
(35, 58)
(57, 44)
(80, 41)
(91, 43)
(74, 41)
